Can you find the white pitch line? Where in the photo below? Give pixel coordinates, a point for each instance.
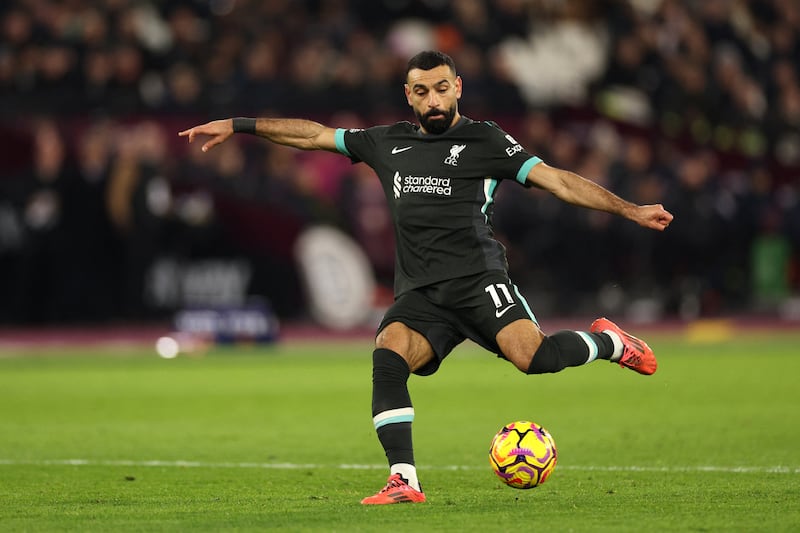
(310, 466)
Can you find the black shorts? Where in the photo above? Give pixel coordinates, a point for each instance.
(446, 313)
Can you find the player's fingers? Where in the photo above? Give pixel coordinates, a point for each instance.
(657, 221)
(666, 215)
(211, 144)
(190, 133)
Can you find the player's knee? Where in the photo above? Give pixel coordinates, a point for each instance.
(396, 337)
(407, 343)
(518, 342)
(546, 359)
(520, 361)
(522, 364)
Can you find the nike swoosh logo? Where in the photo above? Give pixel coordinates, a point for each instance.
(500, 312)
(397, 150)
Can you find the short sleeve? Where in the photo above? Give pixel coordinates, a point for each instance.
(507, 157)
(358, 144)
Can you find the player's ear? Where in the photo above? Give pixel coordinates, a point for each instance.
(407, 90)
(459, 86)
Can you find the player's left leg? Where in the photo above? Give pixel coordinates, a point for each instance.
(399, 351)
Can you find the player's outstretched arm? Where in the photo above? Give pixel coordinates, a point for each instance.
(295, 132)
(577, 190)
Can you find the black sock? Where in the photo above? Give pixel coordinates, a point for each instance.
(392, 411)
(570, 348)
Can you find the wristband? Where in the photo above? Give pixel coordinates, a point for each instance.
(244, 125)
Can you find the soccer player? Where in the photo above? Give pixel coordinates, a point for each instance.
(451, 281)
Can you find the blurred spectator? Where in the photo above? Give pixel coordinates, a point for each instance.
(45, 261)
(263, 88)
(694, 242)
(94, 265)
(139, 203)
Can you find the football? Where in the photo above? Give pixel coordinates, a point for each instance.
(523, 454)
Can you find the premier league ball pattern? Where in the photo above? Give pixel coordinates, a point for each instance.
(523, 454)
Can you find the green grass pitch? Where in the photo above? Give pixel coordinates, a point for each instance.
(280, 438)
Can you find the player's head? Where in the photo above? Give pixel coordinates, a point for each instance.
(432, 90)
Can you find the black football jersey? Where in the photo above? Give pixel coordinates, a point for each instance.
(440, 190)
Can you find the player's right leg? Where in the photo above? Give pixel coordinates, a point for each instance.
(506, 325)
(630, 352)
(533, 352)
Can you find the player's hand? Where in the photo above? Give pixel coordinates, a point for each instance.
(653, 216)
(218, 130)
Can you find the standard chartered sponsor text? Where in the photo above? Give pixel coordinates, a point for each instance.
(427, 185)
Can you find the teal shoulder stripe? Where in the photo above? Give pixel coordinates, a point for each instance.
(522, 175)
(339, 138)
(489, 186)
(525, 304)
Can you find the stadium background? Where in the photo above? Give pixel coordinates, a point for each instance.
(106, 216)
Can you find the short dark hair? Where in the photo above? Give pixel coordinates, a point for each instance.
(430, 59)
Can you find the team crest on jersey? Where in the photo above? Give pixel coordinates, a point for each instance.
(455, 151)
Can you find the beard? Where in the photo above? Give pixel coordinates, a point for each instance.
(437, 125)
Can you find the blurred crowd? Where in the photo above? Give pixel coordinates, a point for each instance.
(693, 104)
